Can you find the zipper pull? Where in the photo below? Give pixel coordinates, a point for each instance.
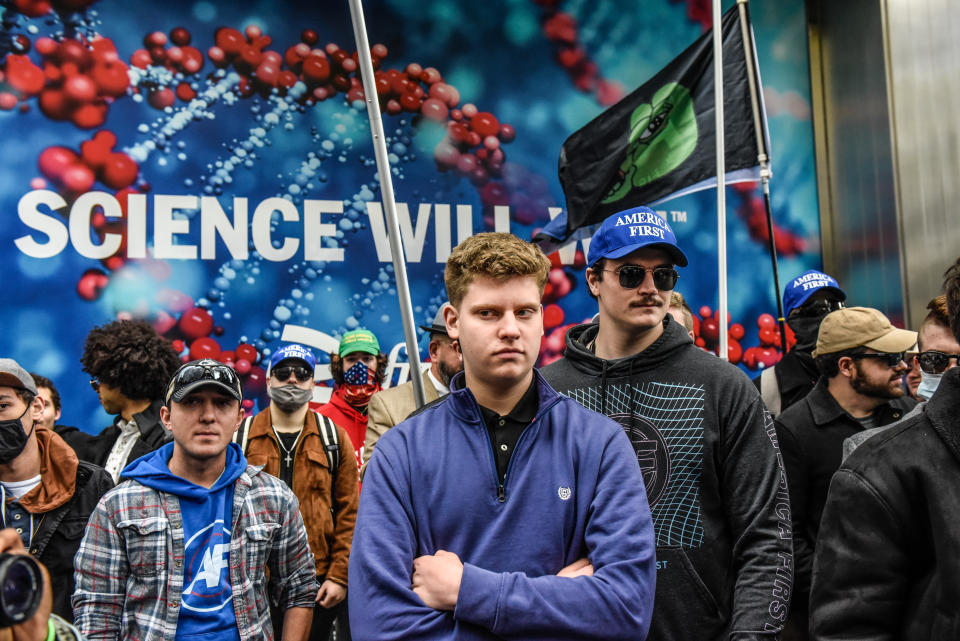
(501, 494)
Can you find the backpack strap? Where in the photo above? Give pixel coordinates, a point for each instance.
(331, 441)
(770, 391)
(242, 434)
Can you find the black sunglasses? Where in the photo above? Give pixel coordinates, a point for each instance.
(95, 384)
(302, 373)
(818, 308)
(204, 370)
(934, 362)
(890, 359)
(631, 276)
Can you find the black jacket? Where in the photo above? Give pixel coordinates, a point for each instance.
(889, 548)
(153, 434)
(811, 435)
(60, 530)
(796, 375)
(72, 436)
(58, 537)
(716, 489)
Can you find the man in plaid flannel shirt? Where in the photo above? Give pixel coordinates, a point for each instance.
(158, 560)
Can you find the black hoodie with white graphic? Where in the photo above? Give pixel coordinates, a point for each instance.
(714, 479)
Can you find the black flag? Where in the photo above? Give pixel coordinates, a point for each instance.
(658, 142)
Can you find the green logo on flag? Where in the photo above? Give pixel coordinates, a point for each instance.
(662, 136)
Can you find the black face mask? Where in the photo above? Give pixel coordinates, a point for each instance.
(805, 329)
(12, 438)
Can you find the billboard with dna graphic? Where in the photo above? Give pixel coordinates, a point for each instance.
(208, 166)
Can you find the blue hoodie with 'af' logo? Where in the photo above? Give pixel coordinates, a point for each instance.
(207, 611)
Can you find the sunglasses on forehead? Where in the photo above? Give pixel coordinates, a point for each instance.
(302, 373)
(890, 359)
(935, 362)
(206, 370)
(632, 276)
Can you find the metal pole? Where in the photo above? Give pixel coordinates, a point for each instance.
(765, 174)
(389, 204)
(721, 178)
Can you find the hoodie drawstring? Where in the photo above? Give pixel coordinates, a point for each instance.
(603, 389)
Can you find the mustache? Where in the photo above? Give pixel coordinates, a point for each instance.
(649, 300)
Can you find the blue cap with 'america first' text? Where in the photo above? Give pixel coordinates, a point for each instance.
(629, 230)
(806, 285)
(293, 351)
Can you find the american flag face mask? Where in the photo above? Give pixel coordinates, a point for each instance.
(360, 383)
(359, 374)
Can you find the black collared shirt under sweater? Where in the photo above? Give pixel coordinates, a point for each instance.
(505, 431)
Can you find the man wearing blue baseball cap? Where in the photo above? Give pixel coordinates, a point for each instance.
(807, 299)
(293, 444)
(703, 439)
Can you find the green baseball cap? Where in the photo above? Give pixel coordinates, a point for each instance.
(359, 340)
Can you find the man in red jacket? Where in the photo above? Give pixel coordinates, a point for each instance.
(358, 368)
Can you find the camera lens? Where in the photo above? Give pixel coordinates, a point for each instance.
(20, 588)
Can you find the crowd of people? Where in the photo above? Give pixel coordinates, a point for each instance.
(637, 488)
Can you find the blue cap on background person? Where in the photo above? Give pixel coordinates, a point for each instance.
(629, 230)
(798, 290)
(293, 351)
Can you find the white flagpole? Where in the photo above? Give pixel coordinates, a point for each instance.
(721, 177)
(386, 190)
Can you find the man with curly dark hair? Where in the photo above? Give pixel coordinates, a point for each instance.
(130, 366)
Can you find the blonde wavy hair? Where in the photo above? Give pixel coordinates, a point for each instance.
(494, 255)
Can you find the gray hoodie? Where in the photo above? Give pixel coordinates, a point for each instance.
(714, 481)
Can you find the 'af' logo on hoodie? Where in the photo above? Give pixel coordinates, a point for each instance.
(207, 569)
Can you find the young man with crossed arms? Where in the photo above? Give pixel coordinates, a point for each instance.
(503, 510)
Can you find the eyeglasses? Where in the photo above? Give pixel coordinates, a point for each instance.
(302, 373)
(890, 359)
(934, 362)
(95, 384)
(207, 370)
(818, 308)
(631, 276)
